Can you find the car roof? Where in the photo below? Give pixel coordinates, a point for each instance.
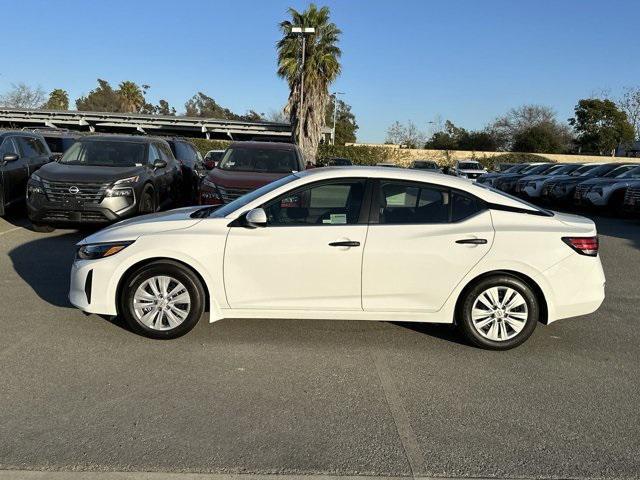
(24, 133)
(264, 145)
(120, 138)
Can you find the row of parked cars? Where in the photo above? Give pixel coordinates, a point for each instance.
(612, 186)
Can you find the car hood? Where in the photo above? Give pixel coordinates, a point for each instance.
(135, 227)
(230, 178)
(59, 172)
(606, 181)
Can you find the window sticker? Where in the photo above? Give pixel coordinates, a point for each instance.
(338, 219)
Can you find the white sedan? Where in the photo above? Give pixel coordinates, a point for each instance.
(355, 243)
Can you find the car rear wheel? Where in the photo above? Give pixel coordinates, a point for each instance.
(147, 205)
(162, 300)
(498, 312)
(41, 227)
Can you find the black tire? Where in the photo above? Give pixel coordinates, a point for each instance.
(473, 334)
(147, 203)
(177, 272)
(41, 227)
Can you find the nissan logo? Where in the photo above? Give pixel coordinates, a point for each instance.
(73, 190)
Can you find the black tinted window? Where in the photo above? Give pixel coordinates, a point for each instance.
(7, 146)
(271, 160)
(412, 203)
(464, 206)
(183, 151)
(32, 147)
(59, 144)
(335, 203)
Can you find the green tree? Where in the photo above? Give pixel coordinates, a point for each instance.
(58, 100)
(321, 68)
(163, 108)
(131, 97)
(600, 126)
(201, 105)
(456, 138)
(542, 138)
(101, 99)
(346, 125)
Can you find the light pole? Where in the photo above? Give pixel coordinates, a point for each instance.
(303, 32)
(335, 112)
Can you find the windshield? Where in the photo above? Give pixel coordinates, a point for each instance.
(515, 168)
(426, 165)
(599, 171)
(582, 170)
(105, 154)
(618, 172)
(519, 200)
(271, 160)
(564, 170)
(537, 169)
(469, 166)
(633, 172)
(220, 212)
(59, 144)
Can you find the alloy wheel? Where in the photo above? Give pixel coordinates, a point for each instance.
(499, 313)
(161, 303)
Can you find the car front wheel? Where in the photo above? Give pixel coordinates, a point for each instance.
(162, 300)
(498, 312)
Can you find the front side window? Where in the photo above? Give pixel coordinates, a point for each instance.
(105, 154)
(333, 203)
(268, 160)
(412, 203)
(32, 147)
(7, 146)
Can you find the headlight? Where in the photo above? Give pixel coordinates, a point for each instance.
(100, 250)
(119, 192)
(125, 181)
(35, 177)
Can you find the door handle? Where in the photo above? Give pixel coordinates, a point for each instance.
(472, 241)
(346, 243)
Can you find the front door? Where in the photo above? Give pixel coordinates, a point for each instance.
(309, 256)
(14, 174)
(422, 241)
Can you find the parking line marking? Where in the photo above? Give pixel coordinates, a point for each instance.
(407, 436)
(10, 230)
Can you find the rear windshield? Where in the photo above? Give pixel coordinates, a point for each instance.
(268, 160)
(105, 154)
(470, 166)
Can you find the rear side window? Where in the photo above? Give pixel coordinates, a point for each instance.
(32, 147)
(183, 151)
(464, 206)
(402, 203)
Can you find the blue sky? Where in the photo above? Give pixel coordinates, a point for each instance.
(464, 60)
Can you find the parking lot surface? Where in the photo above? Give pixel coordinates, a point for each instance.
(313, 397)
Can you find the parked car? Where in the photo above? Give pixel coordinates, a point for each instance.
(316, 245)
(507, 182)
(337, 162)
(468, 169)
(503, 167)
(246, 166)
(631, 203)
(103, 179)
(21, 154)
(425, 165)
(609, 190)
(530, 186)
(489, 178)
(561, 190)
(192, 166)
(212, 158)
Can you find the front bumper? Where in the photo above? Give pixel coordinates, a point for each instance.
(109, 210)
(88, 283)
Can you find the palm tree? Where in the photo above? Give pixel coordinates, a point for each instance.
(131, 97)
(321, 68)
(58, 100)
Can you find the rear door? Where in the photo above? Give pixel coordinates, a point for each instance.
(422, 240)
(13, 173)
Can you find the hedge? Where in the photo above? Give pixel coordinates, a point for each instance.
(491, 162)
(203, 145)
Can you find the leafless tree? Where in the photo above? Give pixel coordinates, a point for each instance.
(629, 103)
(22, 95)
(406, 135)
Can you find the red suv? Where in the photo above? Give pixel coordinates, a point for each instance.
(246, 166)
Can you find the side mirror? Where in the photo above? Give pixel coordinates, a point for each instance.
(9, 157)
(209, 164)
(54, 157)
(256, 218)
(159, 163)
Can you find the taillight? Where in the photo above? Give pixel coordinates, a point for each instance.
(583, 245)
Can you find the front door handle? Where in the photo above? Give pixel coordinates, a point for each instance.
(346, 243)
(472, 241)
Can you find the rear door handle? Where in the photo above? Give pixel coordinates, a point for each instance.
(346, 243)
(472, 241)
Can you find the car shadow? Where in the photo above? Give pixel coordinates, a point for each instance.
(623, 228)
(446, 332)
(45, 264)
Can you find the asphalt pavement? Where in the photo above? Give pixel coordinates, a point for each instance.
(315, 398)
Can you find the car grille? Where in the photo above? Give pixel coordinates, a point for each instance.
(229, 194)
(632, 196)
(520, 186)
(87, 192)
(473, 175)
(74, 216)
(547, 188)
(581, 190)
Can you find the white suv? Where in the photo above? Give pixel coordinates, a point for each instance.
(468, 169)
